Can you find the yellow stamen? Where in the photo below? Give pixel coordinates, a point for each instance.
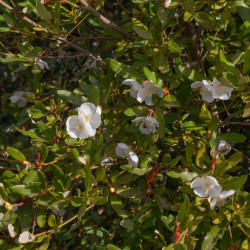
(87, 117)
(78, 126)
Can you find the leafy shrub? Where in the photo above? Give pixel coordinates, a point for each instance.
(124, 134)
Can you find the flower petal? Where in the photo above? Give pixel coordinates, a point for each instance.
(86, 109)
(95, 121)
(225, 194)
(133, 159)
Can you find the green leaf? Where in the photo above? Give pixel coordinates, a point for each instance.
(94, 95)
(215, 232)
(137, 171)
(99, 147)
(188, 5)
(72, 98)
(162, 124)
(111, 246)
(246, 66)
(32, 135)
(162, 202)
(24, 217)
(8, 20)
(77, 202)
(233, 137)
(246, 112)
(43, 152)
(40, 217)
(168, 222)
(174, 47)
(243, 10)
(57, 172)
(205, 20)
(191, 74)
(183, 212)
(213, 125)
(136, 111)
(51, 220)
(16, 154)
(10, 178)
(131, 192)
(140, 2)
(24, 190)
(43, 13)
(162, 62)
(100, 173)
(82, 209)
(123, 70)
(88, 176)
(169, 101)
(235, 182)
(45, 130)
(214, 140)
(151, 76)
(183, 175)
(98, 200)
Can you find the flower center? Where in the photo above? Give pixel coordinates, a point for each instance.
(78, 126)
(87, 117)
(207, 187)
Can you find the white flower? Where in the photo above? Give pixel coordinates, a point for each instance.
(224, 147)
(206, 186)
(25, 237)
(220, 91)
(165, 3)
(19, 99)
(85, 124)
(135, 87)
(11, 230)
(148, 124)
(42, 64)
(206, 90)
(82, 159)
(144, 92)
(220, 199)
(124, 150)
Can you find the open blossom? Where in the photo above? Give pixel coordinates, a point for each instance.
(212, 90)
(148, 124)
(144, 92)
(18, 98)
(223, 148)
(220, 199)
(206, 90)
(25, 237)
(135, 87)
(206, 186)
(124, 150)
(84, 124)
(220, 91)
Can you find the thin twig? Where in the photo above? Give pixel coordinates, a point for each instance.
(116, 226)
(230, 117)
(63, 57)
(49, 32)
(127, 11)
(242, 154)
(106, 21)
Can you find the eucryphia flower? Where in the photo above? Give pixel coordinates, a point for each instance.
(212, 90)
(148, 124)
(223, 148)
(84, 124)
(25, 237)
(220, 199)
(41, 63)
(18, 98)
(143, 92)
(220, 91)
(206, 90)
(206, 186)
(124, 150)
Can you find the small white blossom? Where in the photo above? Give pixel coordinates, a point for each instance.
(41, 63)
(11, 230)
(143, 92)
(220, 199)
(206, 90)
(220, 91)
(82, 159)
(148, 124)
(224, 147)
(206, 186)
(135, 87)
(147, 91)
(85, 124)
(25, 237)
(105, 161)
(124, 150)
(18, 98)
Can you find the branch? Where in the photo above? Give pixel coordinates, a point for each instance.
(49, 32)
(105, 20)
